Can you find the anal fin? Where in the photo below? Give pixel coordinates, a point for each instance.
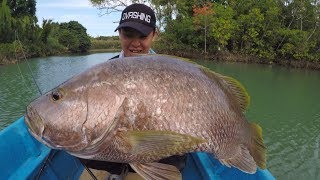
(242, 160)
(157, 171)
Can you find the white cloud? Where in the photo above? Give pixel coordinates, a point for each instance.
(72, 17)
(66, 4)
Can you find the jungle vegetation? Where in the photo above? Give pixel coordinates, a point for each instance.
(271, 30)
(21, 36)
(266, 29)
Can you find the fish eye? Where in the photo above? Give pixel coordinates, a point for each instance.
(56, 95)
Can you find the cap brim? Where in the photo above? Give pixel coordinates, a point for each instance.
(145, 30)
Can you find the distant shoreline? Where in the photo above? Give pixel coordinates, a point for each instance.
(103, 50)
(222, 57)
(230, 57)
(91, 51)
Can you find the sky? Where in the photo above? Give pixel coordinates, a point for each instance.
(81, 11)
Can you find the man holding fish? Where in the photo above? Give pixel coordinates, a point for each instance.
(137, 31)
(138, 110)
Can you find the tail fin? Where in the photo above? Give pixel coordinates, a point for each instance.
(256, 146)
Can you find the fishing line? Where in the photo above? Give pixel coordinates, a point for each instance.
(23, 79)
(88, 170)
(24, 57)
(50, 156)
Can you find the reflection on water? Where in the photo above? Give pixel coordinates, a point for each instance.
(17, 88)
(285, 102)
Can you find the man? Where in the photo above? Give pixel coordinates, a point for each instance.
(137, 30)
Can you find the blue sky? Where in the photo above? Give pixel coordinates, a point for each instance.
(81, 11)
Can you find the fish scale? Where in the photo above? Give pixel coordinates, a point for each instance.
(182, 88)
(142, 109)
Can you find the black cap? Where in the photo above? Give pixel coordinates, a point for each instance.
(139, 17)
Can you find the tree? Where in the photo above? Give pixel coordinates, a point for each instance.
(165, 10)
(180, 35)
(46, 29)
(294, 46)
(69, 40)
(75, 30)
(223, 25)
(6, 23)
(202, 17)
(20, 8)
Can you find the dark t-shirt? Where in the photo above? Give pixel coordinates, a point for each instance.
(117, 56)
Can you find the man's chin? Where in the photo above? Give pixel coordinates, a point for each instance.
(135, 54)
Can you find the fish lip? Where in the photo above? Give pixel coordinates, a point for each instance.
(36, 136)
(33, 131)
(30, 125)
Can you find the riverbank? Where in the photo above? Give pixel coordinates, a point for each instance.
(231, 57)
(103, 50)
(303, 64)
(5, 61)
(222, 56)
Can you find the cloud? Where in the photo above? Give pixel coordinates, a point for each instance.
(73, 4)
(72, 17)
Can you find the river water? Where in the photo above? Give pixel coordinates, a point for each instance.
(285, 102)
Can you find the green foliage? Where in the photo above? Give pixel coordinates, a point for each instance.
(69, 40)
(46, 29)
(6, 23)
(223, 26)
(295, 45)
(183, 29)
(9, 51)
(74, 37)
(20, 8)
(112, 43)
(18, 23)
(249, 31)
(267, 29)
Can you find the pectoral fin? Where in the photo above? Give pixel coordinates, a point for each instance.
(158, 143)
(157, 171)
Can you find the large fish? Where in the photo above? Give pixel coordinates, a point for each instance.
(138, 110)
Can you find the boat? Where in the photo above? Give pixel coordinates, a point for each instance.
(23, 157)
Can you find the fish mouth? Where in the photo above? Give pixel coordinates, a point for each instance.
(34, 121)
(36, 126)
(36, 129)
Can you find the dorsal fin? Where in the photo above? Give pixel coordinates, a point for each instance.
(235, 87)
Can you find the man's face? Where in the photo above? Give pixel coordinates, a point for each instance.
(133, 42)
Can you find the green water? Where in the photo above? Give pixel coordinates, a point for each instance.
(17, 88)
(285, 102)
